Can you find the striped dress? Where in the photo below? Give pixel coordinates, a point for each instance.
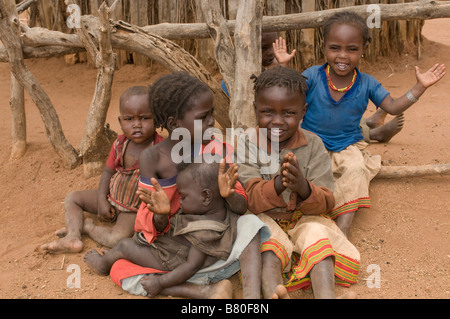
(124, 183)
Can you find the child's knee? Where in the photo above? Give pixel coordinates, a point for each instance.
(124, 244)
(117, 235)
(73, 198)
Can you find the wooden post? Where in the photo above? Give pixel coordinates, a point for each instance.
(139, 17)
(205, 46)
(9, 35)
(117, 14)
(247, 37)
(174, 58)
(97, 139)
(307, 38)
(223, 45)
(19, 128)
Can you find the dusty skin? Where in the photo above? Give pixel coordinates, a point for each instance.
(402, 236)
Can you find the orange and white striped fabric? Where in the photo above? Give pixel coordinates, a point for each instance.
(307, 240)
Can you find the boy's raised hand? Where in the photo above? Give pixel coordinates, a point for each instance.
(430, 77)
(280, 51)
(227, 179)
(157, 201)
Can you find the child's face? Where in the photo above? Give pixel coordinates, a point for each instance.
(280, 112)
(202, 110)
(344, 47)
(267, 52)
(191, 201)
(136, 119)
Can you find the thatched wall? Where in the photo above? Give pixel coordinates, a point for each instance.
(393, 38)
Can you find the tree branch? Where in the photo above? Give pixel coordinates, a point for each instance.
(9, 35)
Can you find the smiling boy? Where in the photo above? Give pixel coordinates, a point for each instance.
(294, 201)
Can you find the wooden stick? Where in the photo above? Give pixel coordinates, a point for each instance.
(413, 171)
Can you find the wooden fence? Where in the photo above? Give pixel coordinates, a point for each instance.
(393, 38)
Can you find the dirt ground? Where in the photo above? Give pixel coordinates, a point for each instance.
(405, 235)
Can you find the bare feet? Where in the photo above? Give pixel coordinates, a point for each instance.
(93, 259)
(280, 293)
(62, 232)
(377, 119)
(222, 290)
(63, 245)
(384, 133)
(348, 295)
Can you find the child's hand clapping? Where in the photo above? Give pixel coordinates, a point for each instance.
(227, 179)
(157, 202)
(292, 176)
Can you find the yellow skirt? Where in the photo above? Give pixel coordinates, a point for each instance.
(353, 169)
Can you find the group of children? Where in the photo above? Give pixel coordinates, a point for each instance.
(185, 229)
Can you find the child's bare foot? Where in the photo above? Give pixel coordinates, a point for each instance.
(222, 290)
(93, 259)
(387, 131)
(62, 232)
(63, 245)
(377, 119)
(348, 295)
(280, 293)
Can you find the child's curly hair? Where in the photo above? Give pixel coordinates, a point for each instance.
(170, 96)
(282, 77)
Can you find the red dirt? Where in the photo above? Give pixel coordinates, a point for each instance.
(405, 233)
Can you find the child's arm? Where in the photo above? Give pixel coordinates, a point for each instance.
(105, 211)
(424, 81)
(280, 51)
(227, 182)
(156, 283)
(157, 202)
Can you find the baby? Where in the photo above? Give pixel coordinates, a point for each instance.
(200, 234)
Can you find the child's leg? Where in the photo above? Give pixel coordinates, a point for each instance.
(322, 279)
(272, 280)
(128, 249)
(344, 222)
(221, 290)
(109, 236)
(250, 261)
(75, 205)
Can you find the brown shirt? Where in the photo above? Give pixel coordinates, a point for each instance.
(258, 181)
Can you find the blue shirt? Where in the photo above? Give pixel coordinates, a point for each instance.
(337, 122)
